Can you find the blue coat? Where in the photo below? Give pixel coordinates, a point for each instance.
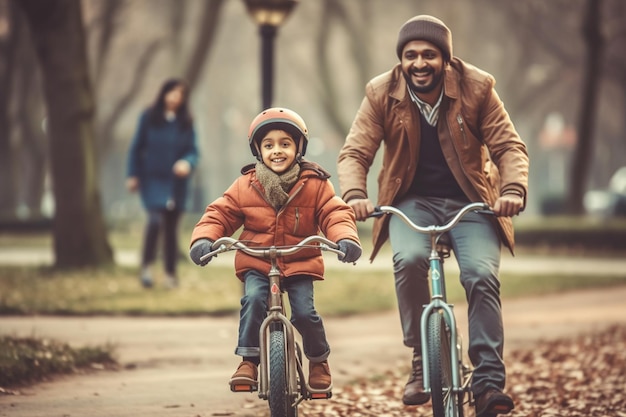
(152, 155)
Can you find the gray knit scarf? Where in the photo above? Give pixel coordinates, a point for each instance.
(277, 186)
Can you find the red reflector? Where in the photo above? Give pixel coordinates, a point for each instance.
(320, 396)
(242, 388)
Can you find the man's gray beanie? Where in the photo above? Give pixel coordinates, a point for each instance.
(426, 28)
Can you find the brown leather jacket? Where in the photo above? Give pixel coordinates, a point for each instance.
(313, 207)
(477, 136)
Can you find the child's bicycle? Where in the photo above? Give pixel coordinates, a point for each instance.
(446, 376)
(281, 377)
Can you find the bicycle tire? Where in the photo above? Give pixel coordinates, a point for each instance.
(444, 402)
(279, 401)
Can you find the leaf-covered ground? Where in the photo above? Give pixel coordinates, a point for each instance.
(581, 377)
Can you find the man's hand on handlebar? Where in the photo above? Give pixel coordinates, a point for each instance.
(362, 207)
(200, 248)
(508, 205)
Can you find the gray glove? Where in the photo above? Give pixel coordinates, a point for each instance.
(351, 249)
(200, 248)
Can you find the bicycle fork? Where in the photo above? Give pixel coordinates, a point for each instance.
(454, 355)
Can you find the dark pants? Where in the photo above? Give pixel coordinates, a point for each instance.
(476, 248)
(168, 221)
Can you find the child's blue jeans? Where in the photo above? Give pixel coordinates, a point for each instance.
(303, 315)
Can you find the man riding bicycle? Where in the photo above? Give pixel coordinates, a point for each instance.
(448, 140)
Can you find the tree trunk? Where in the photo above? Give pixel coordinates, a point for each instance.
(7, 165)
(29, 111)
(336, 15)
(583, 153)
(205, 38)
(80, 237)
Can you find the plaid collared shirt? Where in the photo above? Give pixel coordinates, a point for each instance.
(430, 113)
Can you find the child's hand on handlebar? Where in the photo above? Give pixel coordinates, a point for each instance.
(351, 250)
(200, 248)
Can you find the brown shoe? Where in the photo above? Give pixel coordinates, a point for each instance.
(414, 389)
(319, 375)
(493, 402)
(246, 374)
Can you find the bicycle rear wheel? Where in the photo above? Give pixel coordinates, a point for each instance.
(444, 401)
(279, 400)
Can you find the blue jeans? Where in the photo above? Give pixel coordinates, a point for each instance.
(476, 246)
(303, 315)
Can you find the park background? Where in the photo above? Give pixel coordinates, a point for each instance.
(559, 66)
(74, 76)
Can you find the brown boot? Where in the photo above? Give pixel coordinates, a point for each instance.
(319, 375)
(493, 402)
(246, 374)
(414, 389)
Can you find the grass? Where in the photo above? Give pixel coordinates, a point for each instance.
(204, 291)
(214, 290)
(28, 359)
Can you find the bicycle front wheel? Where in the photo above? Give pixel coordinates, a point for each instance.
(279, 399)
(444, 401)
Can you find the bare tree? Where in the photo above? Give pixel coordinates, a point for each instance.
(7, 166)
(205, 38)
(104, 28)
(193, 63)
(591, 83)
(79, 231)
(107, 123)
(546, 30)
(29, 113)
(107, 22)
(336, 16)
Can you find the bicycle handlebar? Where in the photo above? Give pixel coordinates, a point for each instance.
(225, 244)
(475, 207)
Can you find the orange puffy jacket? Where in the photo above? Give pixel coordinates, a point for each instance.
(313, 207)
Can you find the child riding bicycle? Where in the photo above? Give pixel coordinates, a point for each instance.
(279, 200)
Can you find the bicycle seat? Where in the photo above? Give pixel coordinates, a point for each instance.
(444, 246)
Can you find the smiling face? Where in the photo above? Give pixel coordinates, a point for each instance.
(278, 150)
(422, 65)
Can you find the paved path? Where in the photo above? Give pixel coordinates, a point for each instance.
(179, 367)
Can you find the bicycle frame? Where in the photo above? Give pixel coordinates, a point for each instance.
(297, 387)
(276, 313)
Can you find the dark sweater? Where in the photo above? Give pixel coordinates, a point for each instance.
(433, 177)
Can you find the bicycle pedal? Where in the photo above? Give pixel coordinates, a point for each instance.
(243, 388)
(321, 395)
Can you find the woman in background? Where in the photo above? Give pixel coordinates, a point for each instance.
(161, 158)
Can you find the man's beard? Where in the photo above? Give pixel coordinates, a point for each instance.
(424, 88)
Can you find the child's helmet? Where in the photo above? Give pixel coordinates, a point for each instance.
(278, 118)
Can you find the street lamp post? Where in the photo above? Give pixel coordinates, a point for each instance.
(268, 15)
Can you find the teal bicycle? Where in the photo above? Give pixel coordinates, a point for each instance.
(446, 376)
